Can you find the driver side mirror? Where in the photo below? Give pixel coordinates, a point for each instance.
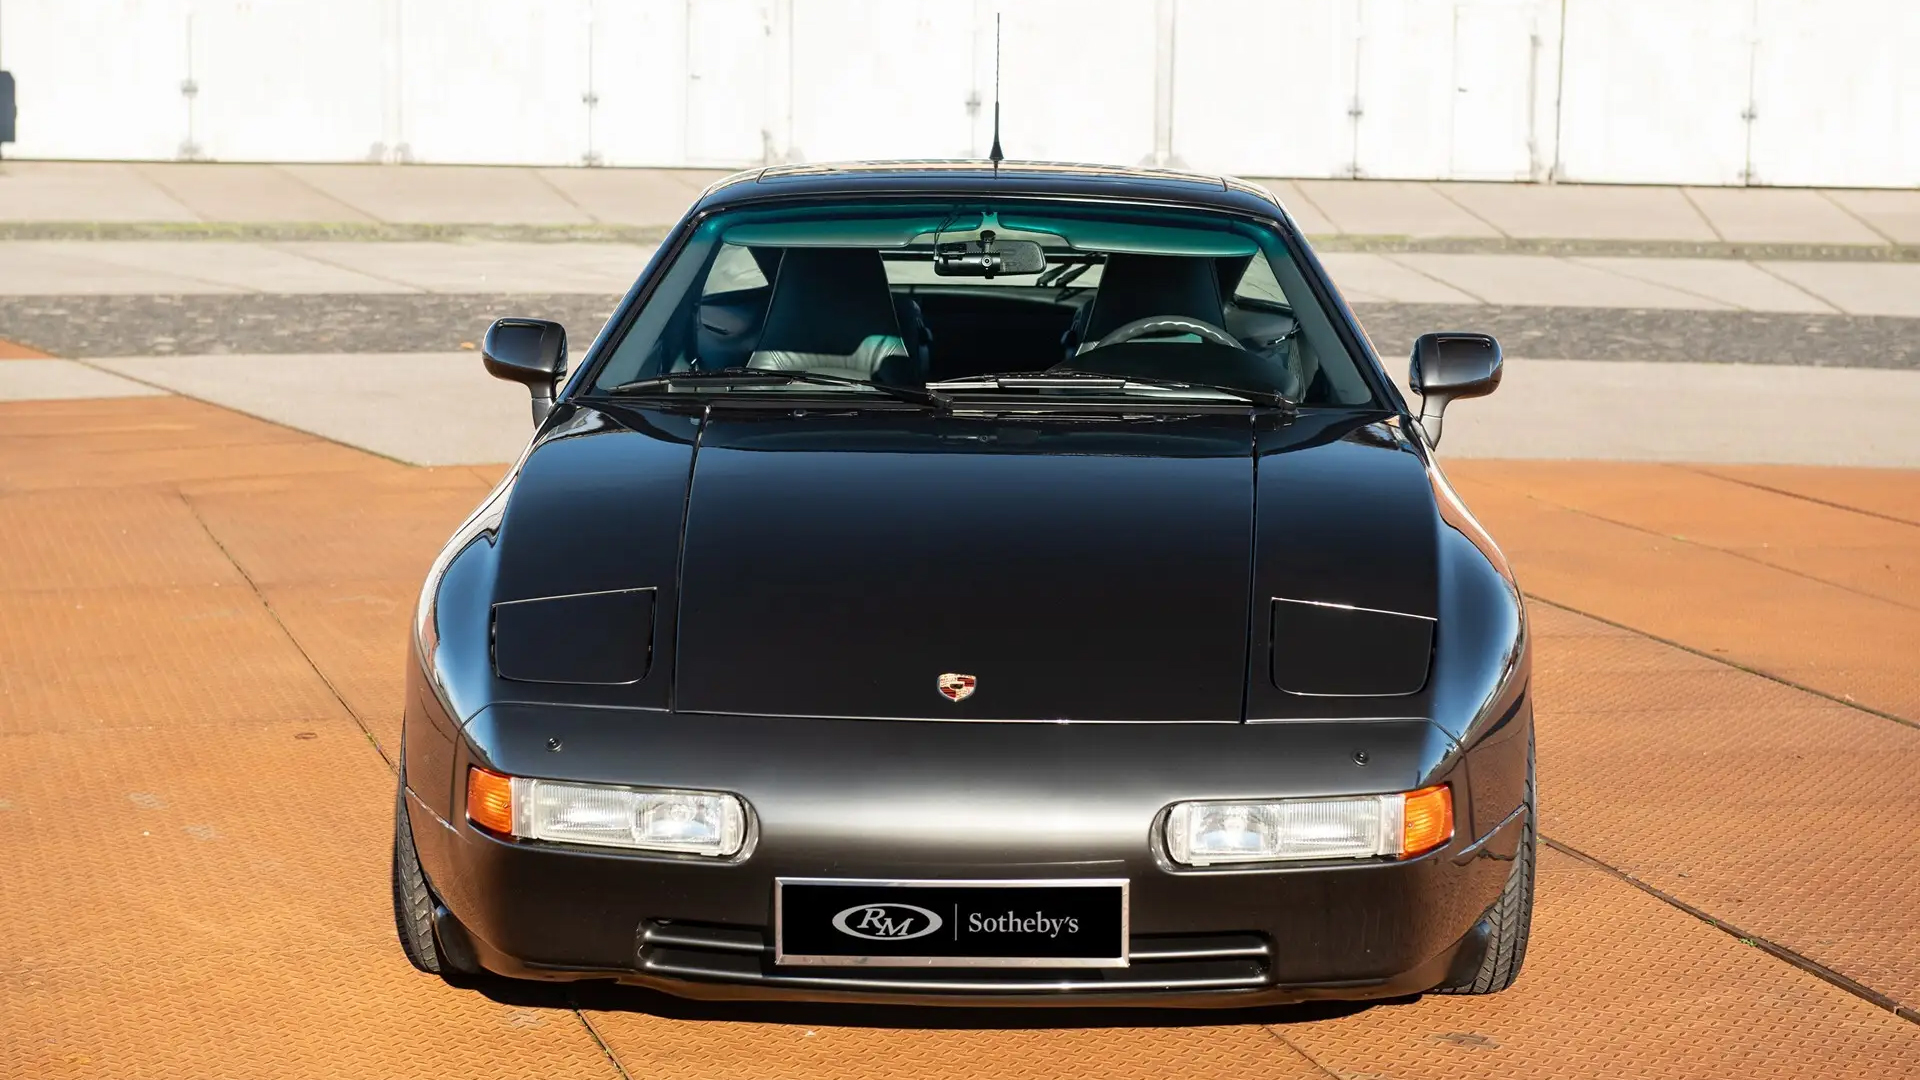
(1448, 366)
(532, 352)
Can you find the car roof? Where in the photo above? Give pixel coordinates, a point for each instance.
(976, 178)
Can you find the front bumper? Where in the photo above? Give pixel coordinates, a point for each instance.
(1213, 937)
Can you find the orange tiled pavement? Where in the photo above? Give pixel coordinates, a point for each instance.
(201, 626)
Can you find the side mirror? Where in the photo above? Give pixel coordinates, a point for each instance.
(532, 352)
(1448, 366)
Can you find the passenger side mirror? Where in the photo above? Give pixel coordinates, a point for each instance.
(1448, 366)
(532, 352)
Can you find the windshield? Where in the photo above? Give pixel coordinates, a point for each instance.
(900, 295)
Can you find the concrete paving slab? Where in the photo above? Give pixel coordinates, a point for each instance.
(443, 194)
(1549, 281)
(1391, 208)
(1305, 213)
(594, 269)
(1893, 214)
(234, 192)
(1552, 409)
(52, 380)
(486, 266)
(1779, 215)
(632, 196)
(68, 268)
(1857, 288)
(83, 191)
(86, 327)
(420, 408)
(1583, 333)
(1582, 211)
(242, 266)
(1725, 281)
(1625, 410)
(366, 195)
(1367, 278)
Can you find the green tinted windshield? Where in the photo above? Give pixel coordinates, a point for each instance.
(855, 292)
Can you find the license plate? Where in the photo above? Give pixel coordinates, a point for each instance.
(1051, 923)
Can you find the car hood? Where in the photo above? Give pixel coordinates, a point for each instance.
(899, 565)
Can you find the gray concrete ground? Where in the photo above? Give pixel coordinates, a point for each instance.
(32, 191)
(1798, 340)
(220, 267)
(54, 380)
(421, 408)
(97, 326)
(130, 325)
(1574, 409)
(182, 193)
(217, 267)
(1664, 335)
(1626, 410)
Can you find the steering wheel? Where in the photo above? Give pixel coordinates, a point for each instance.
(1169, 324)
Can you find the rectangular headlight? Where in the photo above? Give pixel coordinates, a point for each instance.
(689, 822)
(1349, 827)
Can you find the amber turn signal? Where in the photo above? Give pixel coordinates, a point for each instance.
(490, 800)
(1429, 820)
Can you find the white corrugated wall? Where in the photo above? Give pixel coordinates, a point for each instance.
(1789, 92)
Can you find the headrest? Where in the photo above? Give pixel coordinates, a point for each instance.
(828, 300)
(1136, 286)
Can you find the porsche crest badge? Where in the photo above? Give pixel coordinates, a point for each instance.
(957, 687)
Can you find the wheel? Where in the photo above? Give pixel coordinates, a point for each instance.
(413, 902)
(1511, 918)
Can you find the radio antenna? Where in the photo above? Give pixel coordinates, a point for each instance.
(995, 155)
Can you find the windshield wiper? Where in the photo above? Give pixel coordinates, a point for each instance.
(1076, 379)
(737, 375)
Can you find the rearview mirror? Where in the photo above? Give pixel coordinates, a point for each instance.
(987, 257)
(1448, 366)
(532, 352)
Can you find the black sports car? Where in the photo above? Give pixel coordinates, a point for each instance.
(960, 583)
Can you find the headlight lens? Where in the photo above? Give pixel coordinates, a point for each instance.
(708, 823)
(1351, 827)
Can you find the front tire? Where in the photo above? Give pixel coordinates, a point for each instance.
(1510, 920)
(413, 902)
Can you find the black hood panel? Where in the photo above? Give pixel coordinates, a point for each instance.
(582, 593)
(1079, 570)
(1347, 517)
(1096, 570)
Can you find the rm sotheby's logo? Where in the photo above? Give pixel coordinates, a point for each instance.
(887, 922)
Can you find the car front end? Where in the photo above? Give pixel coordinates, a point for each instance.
(1011, 805)
(1062, 689)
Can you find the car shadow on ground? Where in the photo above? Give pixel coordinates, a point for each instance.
(612, 997)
